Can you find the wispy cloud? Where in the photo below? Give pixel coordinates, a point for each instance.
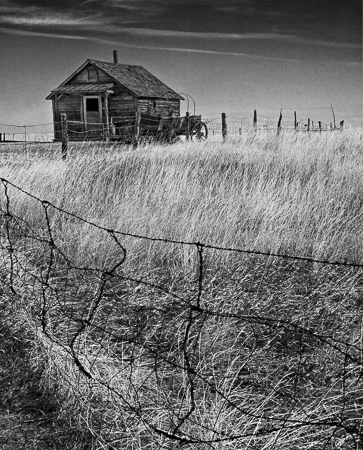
(42, 34)
(113, 16)
(91, 14)
(290, 38)
(161, 48)
(147, 47)
(54, 19)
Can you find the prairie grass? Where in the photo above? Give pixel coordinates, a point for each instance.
(296, 193)
(228, 352)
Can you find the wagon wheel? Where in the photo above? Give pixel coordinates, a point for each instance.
(199, 132)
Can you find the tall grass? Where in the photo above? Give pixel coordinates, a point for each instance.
(295, 193)
(274, 342)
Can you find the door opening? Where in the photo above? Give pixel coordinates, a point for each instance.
(92, 112)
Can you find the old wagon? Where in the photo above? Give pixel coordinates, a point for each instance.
(162, 129)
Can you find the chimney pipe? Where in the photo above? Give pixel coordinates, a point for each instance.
(115, 57)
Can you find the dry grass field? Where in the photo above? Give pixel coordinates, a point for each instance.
(133, 343)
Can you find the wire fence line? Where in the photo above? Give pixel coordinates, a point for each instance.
(233, 126)
(47, 133)
(201, 360)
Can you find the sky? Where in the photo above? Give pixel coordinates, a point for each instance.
(229, 56)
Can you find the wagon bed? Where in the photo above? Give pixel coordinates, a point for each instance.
(159, 128)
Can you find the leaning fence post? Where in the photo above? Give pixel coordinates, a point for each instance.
(279, 123)
(255, 119)
(224, 127)
(64, 127)
(187, 125)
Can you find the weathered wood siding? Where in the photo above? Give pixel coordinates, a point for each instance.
(159, 106)
(121, 103)
(71, 105)
(82, 77)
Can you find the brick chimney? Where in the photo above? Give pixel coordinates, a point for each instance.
(115, 57)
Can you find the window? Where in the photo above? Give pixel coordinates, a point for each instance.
(92, 104)
(92, 74)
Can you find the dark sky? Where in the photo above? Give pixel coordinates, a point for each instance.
(231, 56)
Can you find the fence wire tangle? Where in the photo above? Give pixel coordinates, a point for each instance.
(267, 355)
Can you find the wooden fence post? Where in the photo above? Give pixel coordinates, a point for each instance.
(255, 119)
(308, 124)
(137, 130)
(295, 121)
(320, 126)
(224, 127)
(279, 123)
(64, 127)
(187, 125)
(341, 125)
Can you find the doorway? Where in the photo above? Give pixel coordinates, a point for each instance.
(92, 112)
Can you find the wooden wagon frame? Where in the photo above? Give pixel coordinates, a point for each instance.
(152, 128)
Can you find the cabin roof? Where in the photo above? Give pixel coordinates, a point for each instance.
(83, 88)
(136, 79)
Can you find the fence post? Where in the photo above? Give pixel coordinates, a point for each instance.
(137, 129)
(320, 126)
(187, 125)
(224, 127)
(25, 138)
(64, 127)
(255, 119)
(341, 125)
(295, 121)
(308, 124)
(1, 137)
(279, 123)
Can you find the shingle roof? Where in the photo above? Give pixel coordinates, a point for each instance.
(89, 87)
(137, 79)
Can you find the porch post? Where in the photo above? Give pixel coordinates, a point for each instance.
(106, 113)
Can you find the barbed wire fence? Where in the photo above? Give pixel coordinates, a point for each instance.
(264, 354)
(237, 126)
(126, 129)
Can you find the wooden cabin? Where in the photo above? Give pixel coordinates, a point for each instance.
(103, 98)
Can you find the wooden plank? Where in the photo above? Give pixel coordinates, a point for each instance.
(224, 127)
(106, 113)
(64, 136)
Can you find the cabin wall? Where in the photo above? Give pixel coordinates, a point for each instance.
(160, 107)
(71, 105)
(121, 103)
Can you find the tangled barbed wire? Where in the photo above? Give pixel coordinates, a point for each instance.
(264, 352)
